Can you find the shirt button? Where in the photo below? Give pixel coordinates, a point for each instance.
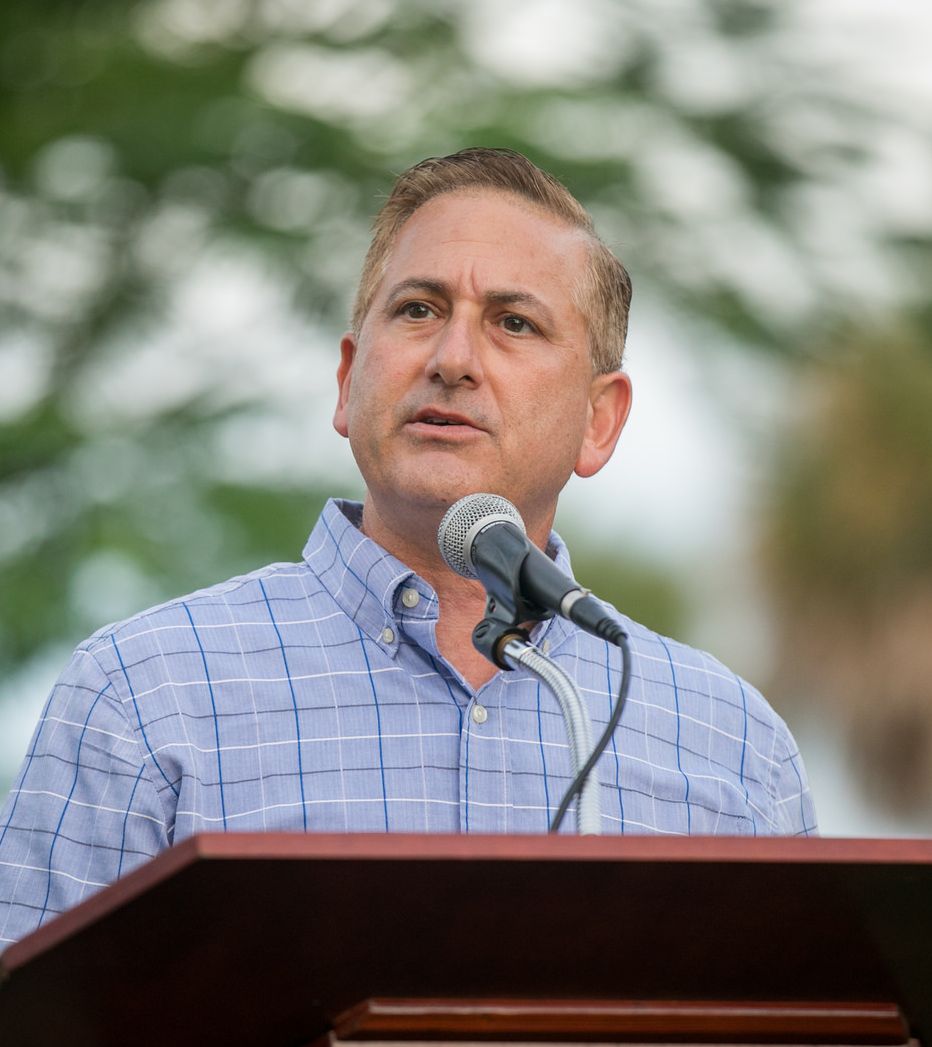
(410, 597)
(388, 635)
(545, 646)
(479, 713)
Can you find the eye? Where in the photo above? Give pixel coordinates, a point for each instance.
(515, 324)
(416, 311)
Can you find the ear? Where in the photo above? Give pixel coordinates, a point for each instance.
(609, 404)
(344, 372)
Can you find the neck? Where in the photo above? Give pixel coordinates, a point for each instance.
(462, 600)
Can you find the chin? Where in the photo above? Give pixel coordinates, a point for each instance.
(431, 492)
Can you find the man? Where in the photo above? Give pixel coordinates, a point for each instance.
(343, 692)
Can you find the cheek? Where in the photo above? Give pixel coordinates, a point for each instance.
(564, 418)
(376, 394)
(385, 375)
(547, 420)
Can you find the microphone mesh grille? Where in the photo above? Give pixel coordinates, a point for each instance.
(459, 526)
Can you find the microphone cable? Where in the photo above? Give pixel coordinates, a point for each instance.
(580, 780)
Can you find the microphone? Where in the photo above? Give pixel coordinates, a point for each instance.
(483, 536)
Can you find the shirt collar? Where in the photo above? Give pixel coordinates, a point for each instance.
(366, 581)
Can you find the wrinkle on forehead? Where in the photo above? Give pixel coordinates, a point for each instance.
(557, 239)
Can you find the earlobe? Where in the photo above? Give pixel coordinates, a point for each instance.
(609, 405)
(344, 373)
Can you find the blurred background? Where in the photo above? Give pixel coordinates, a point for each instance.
(185, 192)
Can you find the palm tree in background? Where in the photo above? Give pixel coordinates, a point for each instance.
(848, 554)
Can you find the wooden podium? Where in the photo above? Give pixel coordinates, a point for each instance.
(292, 939)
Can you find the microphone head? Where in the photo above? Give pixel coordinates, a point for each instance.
(464, 520)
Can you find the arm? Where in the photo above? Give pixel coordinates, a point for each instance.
(82, 811)
(793, 806)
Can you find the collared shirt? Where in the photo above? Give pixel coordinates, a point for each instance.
(313, 697)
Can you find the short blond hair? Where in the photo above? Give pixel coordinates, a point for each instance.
(602, 292)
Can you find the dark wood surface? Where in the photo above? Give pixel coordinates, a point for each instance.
(267, 938)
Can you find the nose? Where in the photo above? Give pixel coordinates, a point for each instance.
(456, 354)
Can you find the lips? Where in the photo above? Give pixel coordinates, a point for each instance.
(441, 419)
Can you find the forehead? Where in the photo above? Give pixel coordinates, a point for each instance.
(491, 239)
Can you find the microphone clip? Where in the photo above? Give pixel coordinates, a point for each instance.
(491, 636)
(506, 608)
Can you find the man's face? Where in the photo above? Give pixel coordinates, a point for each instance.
(472, 371)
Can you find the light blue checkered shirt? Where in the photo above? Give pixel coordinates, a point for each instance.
(312, 697)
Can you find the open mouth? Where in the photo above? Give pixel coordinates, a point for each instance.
(444, 420)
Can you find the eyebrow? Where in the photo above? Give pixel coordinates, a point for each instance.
(442, 289)
(415, 283)
(521, 298)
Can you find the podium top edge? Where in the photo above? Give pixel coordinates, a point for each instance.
(474, 847)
